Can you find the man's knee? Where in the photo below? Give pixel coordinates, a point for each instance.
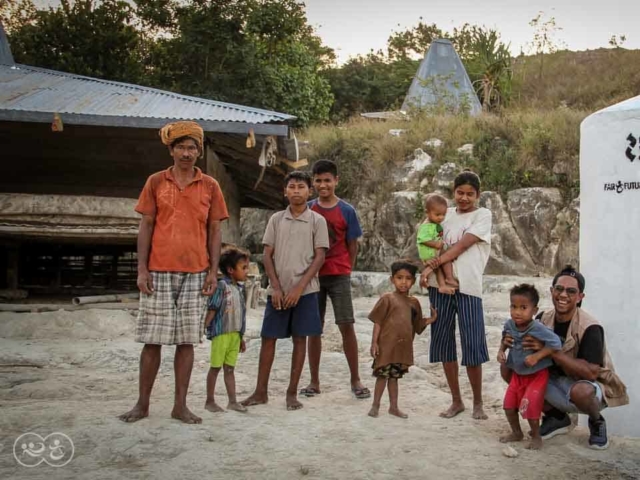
(228, 369)
(582, 392)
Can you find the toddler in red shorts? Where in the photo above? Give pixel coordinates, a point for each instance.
(530, 368)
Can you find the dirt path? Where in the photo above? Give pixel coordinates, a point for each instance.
(88, 375)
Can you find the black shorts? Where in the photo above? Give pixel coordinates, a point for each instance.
(338, 288)
(303, 320)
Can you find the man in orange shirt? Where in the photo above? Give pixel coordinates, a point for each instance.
(178, 252)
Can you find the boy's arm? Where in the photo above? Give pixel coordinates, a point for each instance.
(374, 340)
(210, 316)
(270, 269)
(291, 300)
(352, 247)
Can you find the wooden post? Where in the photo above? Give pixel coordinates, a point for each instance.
(13, 261)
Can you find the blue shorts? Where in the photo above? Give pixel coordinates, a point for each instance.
(473, 340)
(303, 320)
(559, 393)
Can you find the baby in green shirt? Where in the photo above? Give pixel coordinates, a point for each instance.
(430, 241)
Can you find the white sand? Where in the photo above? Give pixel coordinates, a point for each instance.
(89, 372)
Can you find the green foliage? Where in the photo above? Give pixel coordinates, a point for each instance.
(80, 37)
(254, 52)
(489, 67)
(369, 84)
(513, 150)
(380, 81)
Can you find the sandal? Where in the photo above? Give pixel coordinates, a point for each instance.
(310, 392)
(361, 393)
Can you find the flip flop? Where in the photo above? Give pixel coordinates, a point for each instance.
(310, 392)
(361, 393)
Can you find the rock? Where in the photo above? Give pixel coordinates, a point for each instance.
(445, 176)
(534, 213)
(567, 235)
(466, 149)
(386, 229)
(509, 452)
(433, 143)
(509, 256)
(421, 160)
(409, 174)
(396, 132)
(424, 184)
(253, 222)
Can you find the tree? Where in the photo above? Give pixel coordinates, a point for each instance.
(489, 66)
(414, 42)
(544, 41)
(83, 37)
(260, 53)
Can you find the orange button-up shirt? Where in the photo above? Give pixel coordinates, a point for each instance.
(179, 241)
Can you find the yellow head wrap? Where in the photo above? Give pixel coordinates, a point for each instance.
(172, 131)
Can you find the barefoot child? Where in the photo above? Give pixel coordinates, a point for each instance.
(225, 324)
(530, 369)
(430, 243)
(397, 317)
(295, 242)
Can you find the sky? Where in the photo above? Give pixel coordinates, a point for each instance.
(353, 27)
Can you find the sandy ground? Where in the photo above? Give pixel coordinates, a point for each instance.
(73, 372)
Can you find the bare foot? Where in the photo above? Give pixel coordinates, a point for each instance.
(293, 403)
(534, 444)
(255, 399)
(512, 437)
(478, 412)
(375, 409)
(237, 407)
(398, 413)
(185, 415)
(447, 290)
(452, 282)
(453, 410)
(135, 414)
(213, 407)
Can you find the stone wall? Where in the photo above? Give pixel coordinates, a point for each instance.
(535, 231)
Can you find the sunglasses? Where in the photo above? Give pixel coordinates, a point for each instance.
(570, 291)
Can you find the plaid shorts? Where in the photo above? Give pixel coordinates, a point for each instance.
(174, 313)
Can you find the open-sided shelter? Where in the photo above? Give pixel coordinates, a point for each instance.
(76, 152)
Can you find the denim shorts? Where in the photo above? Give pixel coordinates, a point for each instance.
(559, 393)
(303, 320)
(338, 289)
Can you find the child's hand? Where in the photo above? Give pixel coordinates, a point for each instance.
(502, 357)
(209, 318)
(277, 299)
(292, 298)
(243, 346)
(374, 350)
(530, 360)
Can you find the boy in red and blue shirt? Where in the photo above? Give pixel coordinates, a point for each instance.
(335, 274)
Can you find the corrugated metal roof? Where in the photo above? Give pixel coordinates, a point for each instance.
(30, 89)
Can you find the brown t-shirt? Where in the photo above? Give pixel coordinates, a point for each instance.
(179, 241)
(400, 318)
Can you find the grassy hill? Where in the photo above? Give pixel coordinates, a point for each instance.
(588, 80)
(533, 142)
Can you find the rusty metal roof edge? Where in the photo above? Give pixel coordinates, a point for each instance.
(212, 126)
(283, 117)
